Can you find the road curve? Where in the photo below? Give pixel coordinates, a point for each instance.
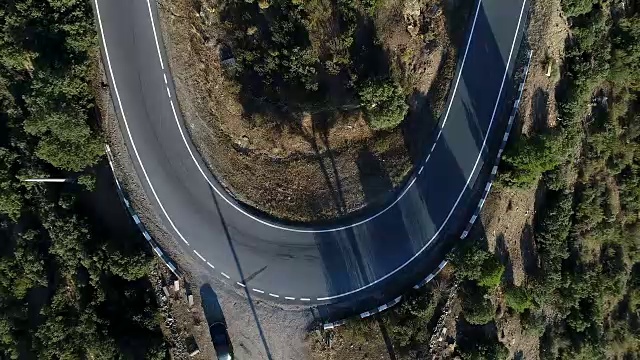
(294, 263)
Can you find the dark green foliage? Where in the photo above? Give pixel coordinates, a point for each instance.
(477, 309)
(384, 104)
(518, 299)
(69, 287)
(51, 53)
(408, 324)
(473, 263)
(10, 199)
(552, 231)
(625, 64)
(532, 323)
(577, 7)
(482, 347)
(280, 71)
(528, 158)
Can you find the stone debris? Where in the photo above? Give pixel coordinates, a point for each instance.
(192, 346)
(440, 330)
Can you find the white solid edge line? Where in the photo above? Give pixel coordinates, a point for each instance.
(314, 230)
(200, 256)
(153, 26)
(484, 143)
(302, 230)
(126, 123)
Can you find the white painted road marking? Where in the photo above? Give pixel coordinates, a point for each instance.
(126, 124)
(293, 229)
(200, 256)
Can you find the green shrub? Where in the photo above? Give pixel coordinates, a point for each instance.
(533, 324)
(491, 275)
(530, 157)
(88, 181)
(577, 7)
(477, 309)
(517, 299)
(384, 103)
(473, 263)
(478, 312)
(485, 350)
(408, 323)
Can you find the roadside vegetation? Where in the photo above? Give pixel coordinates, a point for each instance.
(584, 288)
(70, 288)
(295, 56)
(326, 102)
(579, 298)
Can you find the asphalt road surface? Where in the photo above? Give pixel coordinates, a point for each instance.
(293, 263)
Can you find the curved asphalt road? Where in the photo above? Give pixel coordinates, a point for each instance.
(297, 263)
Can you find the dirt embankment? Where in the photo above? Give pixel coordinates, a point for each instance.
(509, 213)
(311, 165)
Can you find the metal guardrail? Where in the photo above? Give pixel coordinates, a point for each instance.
(123, 197)
(327, 326)
(476, 213)
(505, 138)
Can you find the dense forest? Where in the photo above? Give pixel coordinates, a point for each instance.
(69, 287)
(585, 294)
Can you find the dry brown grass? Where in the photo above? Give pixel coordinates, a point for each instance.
(288, 168)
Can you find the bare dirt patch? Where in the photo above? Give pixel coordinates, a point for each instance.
(547, 33)
(509, 213)
(508, 219)
(312, 165)
(184, 325)
(344, 343)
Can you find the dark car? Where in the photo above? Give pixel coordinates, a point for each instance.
(221, 341)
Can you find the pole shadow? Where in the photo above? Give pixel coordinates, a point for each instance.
(385, 335)
(242, 275)
(319, 129)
